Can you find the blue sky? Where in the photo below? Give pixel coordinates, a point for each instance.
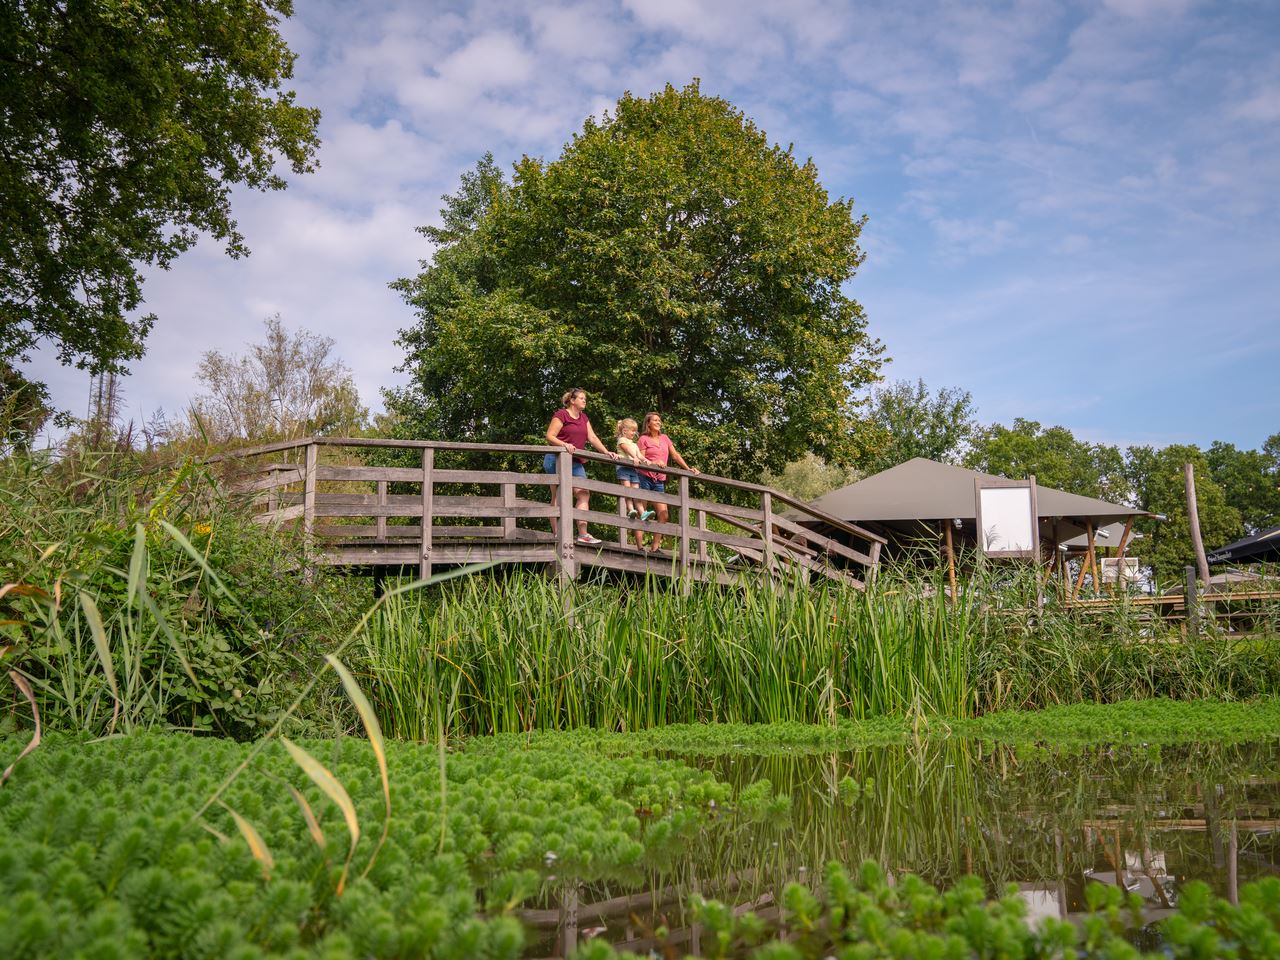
(1072, 206)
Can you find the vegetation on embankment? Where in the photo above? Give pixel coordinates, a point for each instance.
(134, 596)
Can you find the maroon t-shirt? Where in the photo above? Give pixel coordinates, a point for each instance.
(573, 431)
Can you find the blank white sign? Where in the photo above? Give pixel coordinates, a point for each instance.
(1007, 523)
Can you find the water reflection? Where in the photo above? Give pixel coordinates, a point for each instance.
(1047, 820)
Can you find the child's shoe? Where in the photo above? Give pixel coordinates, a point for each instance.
(648, 515)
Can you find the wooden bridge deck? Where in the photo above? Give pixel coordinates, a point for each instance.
(452, 506)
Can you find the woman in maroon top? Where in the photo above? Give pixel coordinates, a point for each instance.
(569, 428)
(656, 447)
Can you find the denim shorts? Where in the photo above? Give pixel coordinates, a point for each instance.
(551, 464)
(629, 474)
(648, 483)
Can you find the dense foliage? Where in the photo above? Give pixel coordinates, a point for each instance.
(126, 126)
(139, 597)
(114, 848)
(669, 259)
(103, 851)
(907, 420)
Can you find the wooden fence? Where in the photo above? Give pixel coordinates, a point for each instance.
(428, 516)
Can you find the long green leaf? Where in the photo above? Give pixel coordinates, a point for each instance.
(101, 645)
(374, 730)
(138, 561)
(181, 539)
(335, 791)
(256, 845)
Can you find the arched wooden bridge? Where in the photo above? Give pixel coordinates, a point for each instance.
(449, 507)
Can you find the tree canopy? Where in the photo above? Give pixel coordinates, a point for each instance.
(671, 259)
(908, 420)
(290, 385)
(1158, 484)
(1053, 455)
(125, 126)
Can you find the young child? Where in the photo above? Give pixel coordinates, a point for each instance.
(625, 431)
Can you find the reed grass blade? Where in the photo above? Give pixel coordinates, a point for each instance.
(256, 845)
(374, 731)
(103, 649)
(335, 791)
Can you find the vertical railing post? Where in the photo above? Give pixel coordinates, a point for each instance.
(622, 530)
(684, 534)
(766, 528)
(382, 506)
(309, 497)
(564, 472)
(702, 544)
(875, 567)
(508, 500)
(428, 492)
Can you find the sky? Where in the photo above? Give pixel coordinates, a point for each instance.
(1072, 206)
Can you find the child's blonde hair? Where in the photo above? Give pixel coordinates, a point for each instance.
(621, 426)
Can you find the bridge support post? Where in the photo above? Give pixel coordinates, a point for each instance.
(309, 500)
(564, 470)
(766, 529)
(428, 491)
(685, 584)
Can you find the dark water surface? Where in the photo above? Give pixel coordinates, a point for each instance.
(1049, 820)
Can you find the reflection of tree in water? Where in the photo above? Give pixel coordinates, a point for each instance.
(1048, 820)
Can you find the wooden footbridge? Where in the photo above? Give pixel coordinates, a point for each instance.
(414, 507)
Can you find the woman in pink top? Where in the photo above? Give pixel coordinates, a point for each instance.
(656, 447)
(571, 430)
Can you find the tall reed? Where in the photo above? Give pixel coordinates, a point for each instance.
(518, 654)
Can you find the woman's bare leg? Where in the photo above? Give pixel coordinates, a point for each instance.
(662, 518)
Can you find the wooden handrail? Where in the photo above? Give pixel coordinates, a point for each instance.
(769, 546)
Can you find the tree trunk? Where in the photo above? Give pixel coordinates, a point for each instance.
(1193, 518)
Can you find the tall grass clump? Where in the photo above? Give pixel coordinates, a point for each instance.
(518, 654)
(492, 656)
(138, 597)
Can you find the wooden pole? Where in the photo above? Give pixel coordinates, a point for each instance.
(381, 520)
(508, 500)
(702, 544)
(684, 534)
(309, 491)
(1191, 604)
(568, 568)
(1084, 563)
(1093, 560)
(1193, 519)
(428, 492)
(951, 558)
(766, 529)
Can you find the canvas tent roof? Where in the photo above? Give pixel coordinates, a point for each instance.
(1263, 545)
(923, 489)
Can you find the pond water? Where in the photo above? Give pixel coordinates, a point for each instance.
(1049, 820)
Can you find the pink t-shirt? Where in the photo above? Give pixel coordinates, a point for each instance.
(572, 431)
(657, 449)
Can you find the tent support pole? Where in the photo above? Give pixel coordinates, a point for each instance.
(951, 558)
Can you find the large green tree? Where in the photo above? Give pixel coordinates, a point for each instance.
(1158, 482)
(670, 258)
(1251, 481)
(909, 420)
(124, 124)
(1053, 455)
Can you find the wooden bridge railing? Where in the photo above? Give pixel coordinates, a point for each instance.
(349, 511)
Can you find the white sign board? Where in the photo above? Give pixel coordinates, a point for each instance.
(1007, 521)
